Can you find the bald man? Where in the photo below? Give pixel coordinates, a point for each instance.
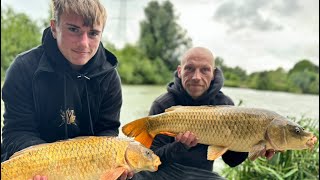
(197, 82)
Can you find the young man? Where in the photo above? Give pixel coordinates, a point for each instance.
(66, 87)
(197, 82)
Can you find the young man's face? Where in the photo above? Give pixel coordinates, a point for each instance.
(77, 43)
(196, 73)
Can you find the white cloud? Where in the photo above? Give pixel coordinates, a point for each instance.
(258, 35)
(253, 34)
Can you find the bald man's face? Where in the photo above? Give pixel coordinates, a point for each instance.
(196, 72)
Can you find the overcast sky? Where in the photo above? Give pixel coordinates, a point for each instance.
(253, 34)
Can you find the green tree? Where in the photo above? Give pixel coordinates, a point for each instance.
(304, 82)
(18, 33)
(45, 22)
(269, 80)
(160, 35)
(304, 77)
(277, 80)
(219, 61)
(136, 68)
(234, 77)
(262, 80)
(304, 65)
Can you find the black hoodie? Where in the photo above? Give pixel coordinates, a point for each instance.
(46, 100)
(172, 153)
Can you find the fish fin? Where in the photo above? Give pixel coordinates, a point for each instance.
(144, 138)
(215, 151)
(187, 108)
(256, 150)
(168, 134)
(172, 108)
(75, 138)
(80, 137)
(138, 130)
(112, 174)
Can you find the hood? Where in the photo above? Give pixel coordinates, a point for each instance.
(97, 67)
(184, 98)
(101, 63)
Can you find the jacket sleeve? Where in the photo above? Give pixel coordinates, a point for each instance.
(234, 158)
(109, 115)
(20, 124)
(165, 147)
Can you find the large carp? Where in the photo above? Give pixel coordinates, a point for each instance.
(80, 158)
(224, 128)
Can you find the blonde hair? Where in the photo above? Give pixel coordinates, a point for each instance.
(92, 11)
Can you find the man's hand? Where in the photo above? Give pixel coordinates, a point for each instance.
(126, 175)
(268, 153)
(38, 177)
(187, 138)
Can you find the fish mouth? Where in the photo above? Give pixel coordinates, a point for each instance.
(152, 168)
(156, 163)
(311, 142)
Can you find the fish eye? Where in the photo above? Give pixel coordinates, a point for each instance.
(297, 129)
(148, 153)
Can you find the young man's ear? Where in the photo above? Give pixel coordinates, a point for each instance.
(53, 28)
(179, 71)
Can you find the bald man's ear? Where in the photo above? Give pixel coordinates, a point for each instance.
(214, 73)
(179, 71)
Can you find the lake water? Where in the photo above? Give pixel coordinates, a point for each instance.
(137, 101)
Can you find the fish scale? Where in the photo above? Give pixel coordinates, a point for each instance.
(222, 121)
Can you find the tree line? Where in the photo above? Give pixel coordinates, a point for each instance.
(154, 57)
(303, 77)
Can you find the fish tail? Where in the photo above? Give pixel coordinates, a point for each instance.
(139, 130)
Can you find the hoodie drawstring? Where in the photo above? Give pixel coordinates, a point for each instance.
(87, 96)
(65, 104)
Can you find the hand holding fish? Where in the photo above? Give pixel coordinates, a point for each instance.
(269, 154)
(266, 153)
(38, 177)
(126, 175)
(187, 138)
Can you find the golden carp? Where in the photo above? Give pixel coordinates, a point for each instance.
(80, 158)
(224, 128)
